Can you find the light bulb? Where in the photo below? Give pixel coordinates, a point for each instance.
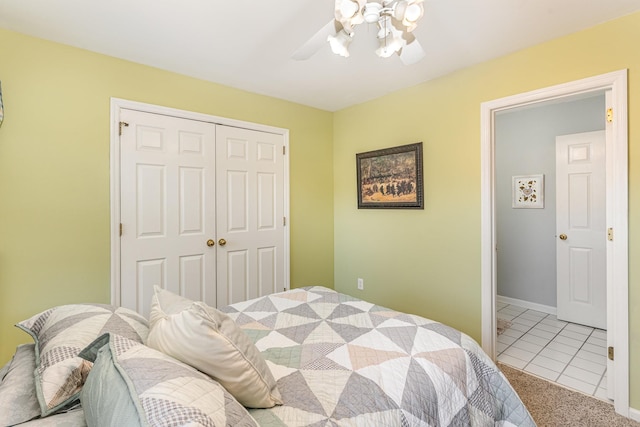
(348, 8)
(413, 12)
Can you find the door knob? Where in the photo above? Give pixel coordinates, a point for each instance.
(222, 242)
(211, 242)
(563, 237)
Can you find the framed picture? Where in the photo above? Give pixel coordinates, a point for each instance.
(528, 192)
(391, 178)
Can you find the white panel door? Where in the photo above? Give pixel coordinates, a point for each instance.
(250, 214)
(167, 193)
(581, 228)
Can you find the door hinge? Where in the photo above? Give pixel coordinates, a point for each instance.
(120, 229)
(609, 115)
(610, 353)
(284, 150)
(610, 234)
(122, 124)
(284, 220)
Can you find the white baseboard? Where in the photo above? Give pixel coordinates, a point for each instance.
(526, 304)
(634, 414)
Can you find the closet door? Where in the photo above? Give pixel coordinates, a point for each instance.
(250, 214)
(167, 195)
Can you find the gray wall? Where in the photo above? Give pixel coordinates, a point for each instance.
(525, 144)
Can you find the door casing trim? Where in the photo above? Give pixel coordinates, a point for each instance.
(117, 105)
(617, 214)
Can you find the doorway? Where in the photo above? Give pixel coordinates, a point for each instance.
(616, 214)
(544, 280)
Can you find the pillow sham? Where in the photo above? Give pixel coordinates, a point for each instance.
(133, 385)
(60, 333)
(18, 401)
(211, 342)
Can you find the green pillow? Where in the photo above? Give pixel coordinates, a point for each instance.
(134, 385)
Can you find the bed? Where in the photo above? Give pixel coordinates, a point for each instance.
(334, 360)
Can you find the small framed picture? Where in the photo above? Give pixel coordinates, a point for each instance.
(528, 192)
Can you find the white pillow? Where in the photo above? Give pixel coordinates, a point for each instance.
(211, 342)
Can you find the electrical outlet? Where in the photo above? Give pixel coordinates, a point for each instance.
(360, 283)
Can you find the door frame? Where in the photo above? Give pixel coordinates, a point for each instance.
(617, 215)
(117, 105)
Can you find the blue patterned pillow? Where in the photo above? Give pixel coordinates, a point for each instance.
(60, 334)
(134, 385)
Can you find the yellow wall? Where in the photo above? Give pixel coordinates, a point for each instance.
(54, 171)
(54, 175)
(428, 262)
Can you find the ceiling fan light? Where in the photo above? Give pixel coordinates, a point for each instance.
(340, 43)
(371, 12)
(413, 15)
(395, 20)
(349, 13)
(349, 8)
(414, 12)
(409, 12)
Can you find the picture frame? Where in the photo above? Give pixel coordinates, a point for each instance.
(391, 178)
(527, 191)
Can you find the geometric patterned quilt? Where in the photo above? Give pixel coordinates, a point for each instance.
(341, 361)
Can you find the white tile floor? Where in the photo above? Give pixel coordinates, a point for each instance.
(566, 353)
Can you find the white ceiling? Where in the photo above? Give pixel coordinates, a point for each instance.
(247, 44)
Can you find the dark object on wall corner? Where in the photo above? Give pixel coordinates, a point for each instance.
(1, 106)
(391, 178)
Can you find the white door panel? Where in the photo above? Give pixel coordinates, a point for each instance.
(581, 228)
(167, 208)
(250, 183)
(182, 185)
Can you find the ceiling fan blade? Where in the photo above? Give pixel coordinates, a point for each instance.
(412, 52)
(315, 43)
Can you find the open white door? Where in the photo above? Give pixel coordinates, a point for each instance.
(581, 228)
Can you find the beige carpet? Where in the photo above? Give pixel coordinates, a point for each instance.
(551, 405)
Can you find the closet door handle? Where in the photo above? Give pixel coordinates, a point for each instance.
(211, 242)
(563, 236)
(222, 242)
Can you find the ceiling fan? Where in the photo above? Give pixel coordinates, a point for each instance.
(395, 19)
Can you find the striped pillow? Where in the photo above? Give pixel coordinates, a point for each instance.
(60, 334)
